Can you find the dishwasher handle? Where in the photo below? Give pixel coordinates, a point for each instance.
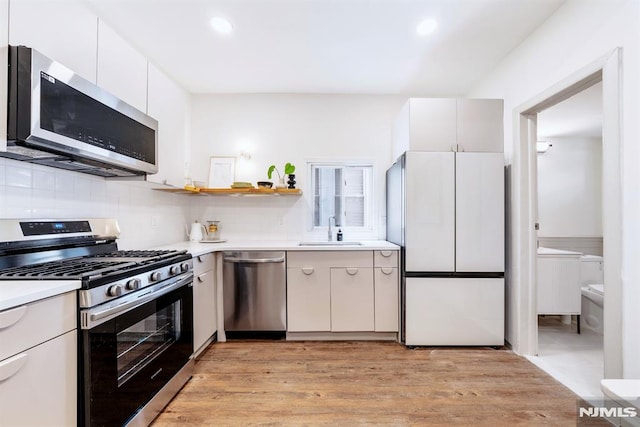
(253, 260)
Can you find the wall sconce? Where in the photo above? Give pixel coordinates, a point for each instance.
(245, 155)
(542, 147)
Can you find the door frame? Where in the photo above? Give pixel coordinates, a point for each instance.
(607, 69)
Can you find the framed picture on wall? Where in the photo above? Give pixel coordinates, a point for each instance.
(222, 172)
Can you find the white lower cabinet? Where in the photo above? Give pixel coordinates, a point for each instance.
(36, 385)
(341, 291)
(559, 284)
(38, 363)
(386, 299)
(454, 311)
(204, 300)
(308, 298)
(352, 300)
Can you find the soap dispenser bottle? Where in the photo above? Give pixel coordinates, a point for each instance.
(339, 235)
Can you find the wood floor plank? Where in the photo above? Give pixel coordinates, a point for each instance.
(366, 383)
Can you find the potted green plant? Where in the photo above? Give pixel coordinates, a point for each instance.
(289, 169)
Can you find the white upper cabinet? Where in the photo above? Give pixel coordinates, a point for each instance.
(479, 125)
(169, 105)
(449, 124)
(65, 31)
(121, 69)
(4, 58)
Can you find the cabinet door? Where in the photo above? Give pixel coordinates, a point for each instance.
(480, 212)
(430, 212)
(204, 307)
(308, 299)
(559, 285)
(386, 299)
(454, 311)
(352, 299)
(545, 282)
(4, 59)
(432, 124)
(169, 105)
(480, 125)
(38, 387)
(65, 31)
(121, 69)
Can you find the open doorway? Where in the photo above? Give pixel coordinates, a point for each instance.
(522, 274)
(570, 276)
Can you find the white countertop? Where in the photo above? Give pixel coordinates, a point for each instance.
(14, 293)
(197, 248)
(557, 252)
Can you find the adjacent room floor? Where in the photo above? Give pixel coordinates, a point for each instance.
(576, 360)
(364, 383)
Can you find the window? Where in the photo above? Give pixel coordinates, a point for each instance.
(344, 192)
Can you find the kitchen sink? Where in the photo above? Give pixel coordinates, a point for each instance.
(330, 243)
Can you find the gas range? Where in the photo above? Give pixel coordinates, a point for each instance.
(135, 312)
(83, 250)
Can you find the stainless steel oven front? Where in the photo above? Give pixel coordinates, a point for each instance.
(136, 353)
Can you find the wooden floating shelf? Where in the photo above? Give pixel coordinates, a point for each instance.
(235, 191)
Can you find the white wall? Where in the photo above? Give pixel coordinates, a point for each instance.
(579, 33)
(276, 129)
(570, 188)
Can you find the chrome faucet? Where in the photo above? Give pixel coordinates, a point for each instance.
(330, 233)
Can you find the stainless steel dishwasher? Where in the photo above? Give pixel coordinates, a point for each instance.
(255, 292)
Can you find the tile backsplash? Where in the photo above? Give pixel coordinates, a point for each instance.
(33, 191)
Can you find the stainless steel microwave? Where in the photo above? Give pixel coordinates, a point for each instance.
(57, 118)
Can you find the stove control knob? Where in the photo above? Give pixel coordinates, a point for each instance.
(155, 276)
(174, 269)
(114, 291)
(133, 284)
(185, 267)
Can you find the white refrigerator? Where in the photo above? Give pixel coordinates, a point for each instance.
(446, 211)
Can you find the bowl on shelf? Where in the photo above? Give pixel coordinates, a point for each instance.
(265, 184)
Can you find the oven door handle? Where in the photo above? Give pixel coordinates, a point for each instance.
(91, 319)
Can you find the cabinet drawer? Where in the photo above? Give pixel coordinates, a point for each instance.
(330, 259)
(386, 259)
(202, 263)
(38, 387)
(28, 325)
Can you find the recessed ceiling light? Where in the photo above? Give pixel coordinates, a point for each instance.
(221, 25)
(426, 27)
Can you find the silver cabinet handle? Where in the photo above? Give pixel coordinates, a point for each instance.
(387, 271)
(200, 277)
(307, 270)
(352, 271)
(199, 258)
(386, 254)
(253, 261)
(12, 316)
(12, 365)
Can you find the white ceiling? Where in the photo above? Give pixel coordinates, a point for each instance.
(326, 46)
(579, 116)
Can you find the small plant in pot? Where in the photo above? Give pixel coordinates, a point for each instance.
(289, 169)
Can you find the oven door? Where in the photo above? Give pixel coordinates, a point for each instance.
(128, 356)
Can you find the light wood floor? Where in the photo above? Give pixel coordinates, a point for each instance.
(363, 383)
